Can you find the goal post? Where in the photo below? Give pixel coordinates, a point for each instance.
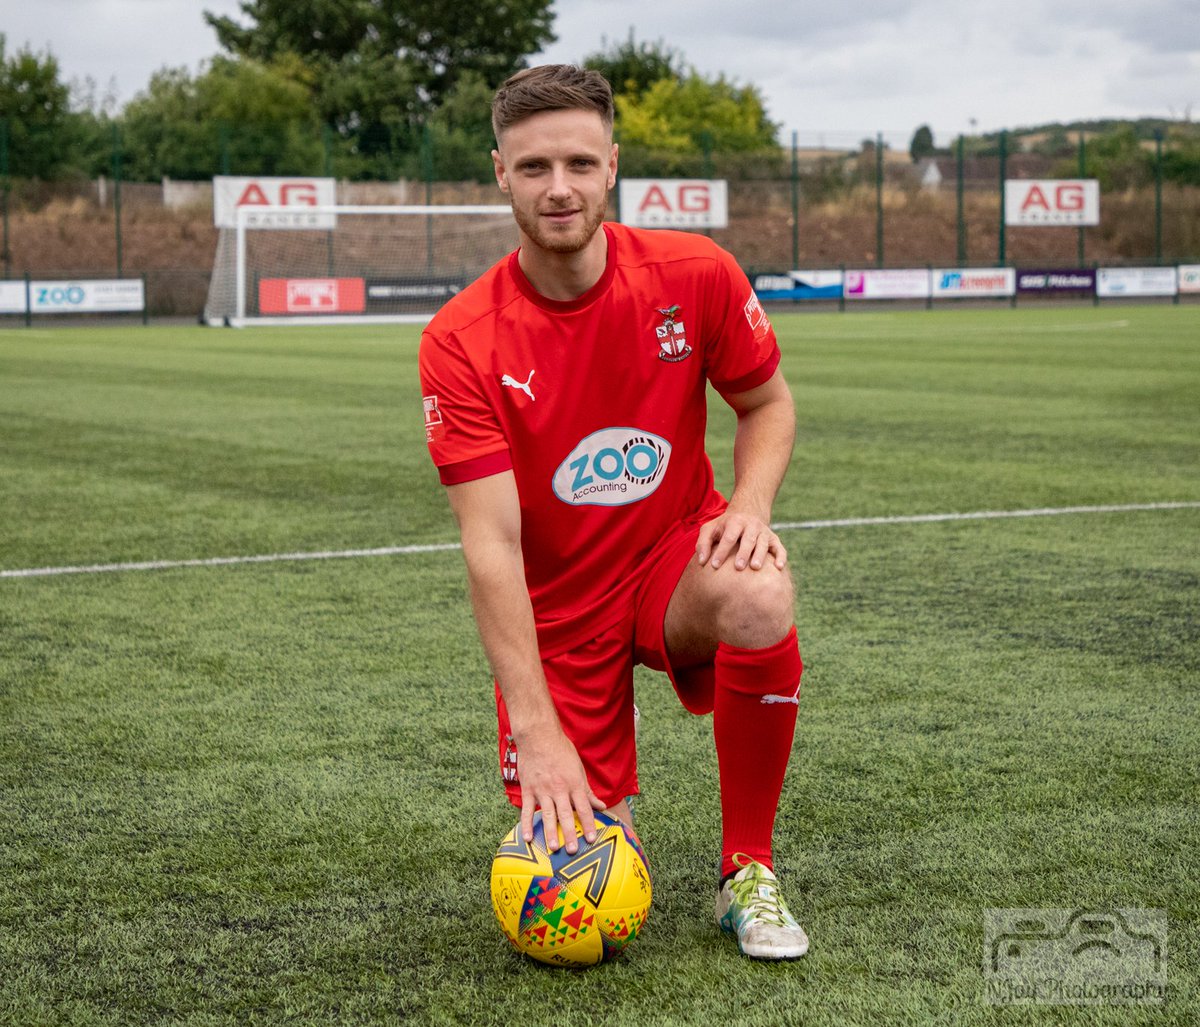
(351, 264)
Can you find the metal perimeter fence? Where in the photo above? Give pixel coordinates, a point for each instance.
(806, 205)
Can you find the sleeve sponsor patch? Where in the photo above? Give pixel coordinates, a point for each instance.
(433, 417)
(756, 317)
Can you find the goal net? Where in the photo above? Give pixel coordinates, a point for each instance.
(342, 264)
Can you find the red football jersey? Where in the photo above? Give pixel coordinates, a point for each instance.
(597, 405)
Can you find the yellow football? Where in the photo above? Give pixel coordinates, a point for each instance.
(571, 910)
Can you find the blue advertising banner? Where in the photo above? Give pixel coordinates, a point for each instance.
(799, 285)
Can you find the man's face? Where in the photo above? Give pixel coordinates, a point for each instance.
(557, 168)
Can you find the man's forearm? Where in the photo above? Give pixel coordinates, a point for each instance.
(762, 451)
(504, 616)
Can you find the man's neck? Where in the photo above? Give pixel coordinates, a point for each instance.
(564, 276)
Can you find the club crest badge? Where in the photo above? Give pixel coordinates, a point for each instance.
(672, 340)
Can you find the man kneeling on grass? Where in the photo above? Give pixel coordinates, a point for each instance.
(565, 411)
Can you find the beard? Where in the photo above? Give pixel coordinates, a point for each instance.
(557, 240)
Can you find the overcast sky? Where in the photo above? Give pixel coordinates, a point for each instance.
(832, 71)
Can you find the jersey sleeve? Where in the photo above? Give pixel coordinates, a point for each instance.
(741, 352)
(465, 438)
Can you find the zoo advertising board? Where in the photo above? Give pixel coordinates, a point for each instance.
(674, 202)
(101, 296)
(799, 285)
(1052, 280)
(1112, 282)
(888, 284)
(1189, 278)
(979, 281)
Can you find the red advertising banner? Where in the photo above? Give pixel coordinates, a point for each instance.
(312, 296)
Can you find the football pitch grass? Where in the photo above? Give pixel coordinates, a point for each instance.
(267, 792)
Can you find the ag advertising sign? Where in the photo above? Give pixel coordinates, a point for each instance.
(301, 195)
(674, 202)
(1052, 202)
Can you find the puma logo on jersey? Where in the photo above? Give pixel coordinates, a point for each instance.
(512, 383)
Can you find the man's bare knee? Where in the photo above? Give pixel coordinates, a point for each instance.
(757, 607)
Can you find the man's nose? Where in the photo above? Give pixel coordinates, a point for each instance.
(559, 184)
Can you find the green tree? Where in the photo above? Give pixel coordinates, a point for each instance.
(922, 144)
(382, 66)
(1181, 159)
(632, 67)
(695, 114)
(459, 135)
(35, 107)
(439, 40)
(242, 116)
(1115, 157)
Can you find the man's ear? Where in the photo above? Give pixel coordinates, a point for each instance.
(501, 174)
(612, 166)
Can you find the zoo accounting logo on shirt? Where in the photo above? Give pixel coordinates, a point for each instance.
(612, 467)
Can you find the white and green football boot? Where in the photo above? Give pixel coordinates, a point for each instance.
(750, 906)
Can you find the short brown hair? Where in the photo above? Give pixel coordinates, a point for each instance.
(551, 87)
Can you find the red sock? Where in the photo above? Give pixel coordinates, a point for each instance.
(754, 718)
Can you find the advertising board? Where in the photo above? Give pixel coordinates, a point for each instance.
(1189, 278)
(301, 194)
(12, 298)
(674, 202)
(1052, 202)
(891, 284)
(390, 293)
(974, 282)
(799, 285)
(1058, 279)
(1112, 282)
(311, 296)
(83, 296)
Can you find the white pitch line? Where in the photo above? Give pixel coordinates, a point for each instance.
(442, 547)
(981, 515)
(227, 561)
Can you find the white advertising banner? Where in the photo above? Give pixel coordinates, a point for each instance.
(81, 296)
(897, 284)
(976, 281)
(12, 297)
(1052, 201)
(1135, 281)
(674, 202)
(1189, 278)
(231, 193)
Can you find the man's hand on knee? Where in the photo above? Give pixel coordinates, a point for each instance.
(745, 538)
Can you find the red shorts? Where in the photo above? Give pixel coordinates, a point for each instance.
(592, 684)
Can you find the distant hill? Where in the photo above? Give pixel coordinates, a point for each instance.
(1056, 135)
